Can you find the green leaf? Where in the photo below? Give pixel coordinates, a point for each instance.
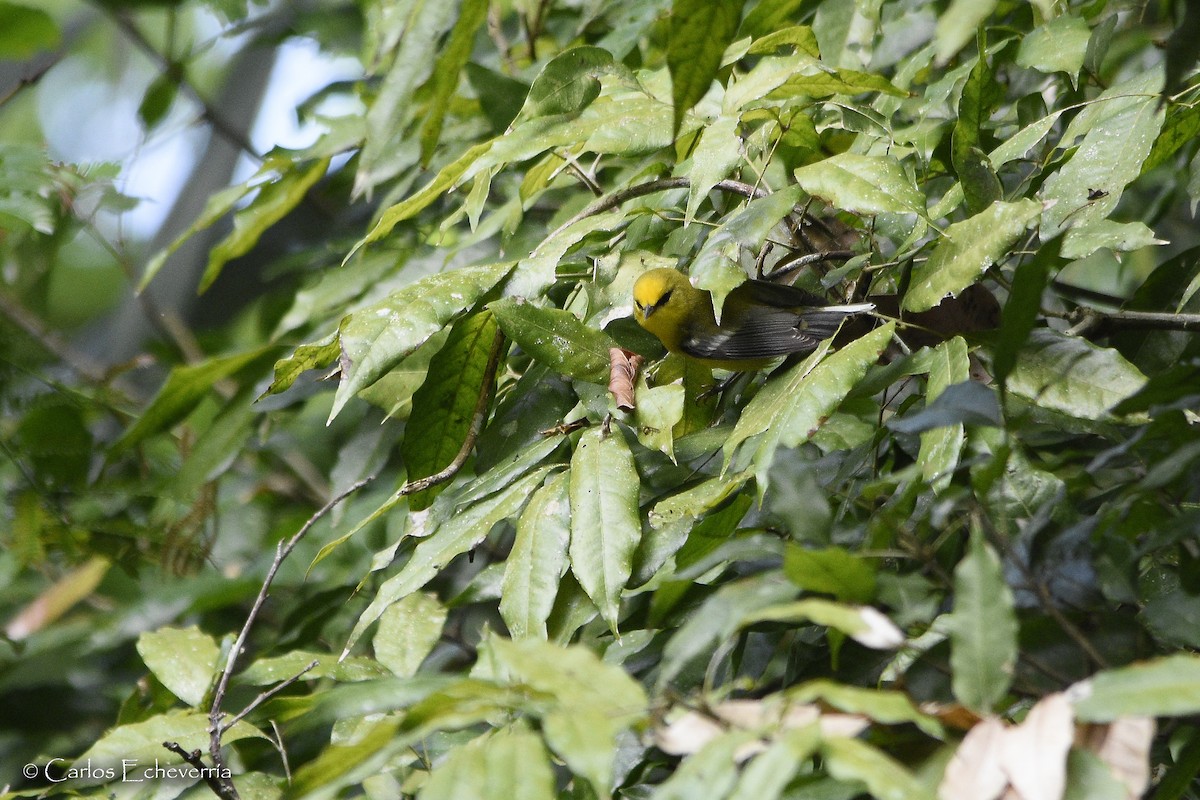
(465, 702)
(350, 761)
(940, 447)
(754, 88)
(556, 338)
(718, 618)
(605, 527)
(25, 31)
(1163, 687)
(215, 207)
(1116, 141)
(1089, 778)
(445, 180)
(142, 744)
(765, 777)
(536, 273)
(864, 624)
(659, 410)
(1072, 375)
(1082, 241)
(359, 699)
(1021, 310)
(394, 390)
(215, 449)
(272, 203)
(980, 96)
(819, 80)
(158, 98)
(799, 36)
(967, 250)
(880, 705)
(569, 82)
(269, 671)
(855, 760)
(832, 570)
(716, 267)
(1020, 143)
(1182, 125)
(765, 18)
(1058, 46)
(185, 387)
(444, 407)
(377, 338)
(700, 31)
(709, 772)
(307, 356)
(183, 659)
(789, 409)
(683, 523)
(717, 154)
(983, 629)
(408, 632)
(451, 539)
(500, 96)
(593, 703)
(538, 561)
(507, 764)
(862, 184)
(958, 25)
(422, 22)
(451, 60)
(980, 184)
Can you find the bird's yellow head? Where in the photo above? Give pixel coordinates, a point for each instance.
(666, 304)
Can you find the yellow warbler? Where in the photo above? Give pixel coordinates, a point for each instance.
(760, 321)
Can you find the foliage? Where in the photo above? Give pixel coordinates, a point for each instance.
(946, 555)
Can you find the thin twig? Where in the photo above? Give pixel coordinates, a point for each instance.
(791, 263)
(49, 340)
(579, 172)
(1134, 320)
(267, 695)
(215, 728)
(208, 774)
(287, 768)
(210, 113)
(496, 32)
(33, 77)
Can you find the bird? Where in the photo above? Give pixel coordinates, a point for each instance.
(760, 320)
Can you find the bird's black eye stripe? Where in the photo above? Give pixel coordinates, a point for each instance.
(638, 305)
(665, 297)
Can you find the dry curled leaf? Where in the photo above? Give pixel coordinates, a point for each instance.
(975, 769)
(1034, 753)
(1124, 745)
(623, 367)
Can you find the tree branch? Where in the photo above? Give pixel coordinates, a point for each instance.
(1111, 321)
(225, 788)
(208, 774)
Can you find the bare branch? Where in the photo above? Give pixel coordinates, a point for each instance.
(1111, 321)
(267, 695)
(282, 551)
(210, 775)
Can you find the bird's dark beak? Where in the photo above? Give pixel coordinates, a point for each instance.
(648, 310)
